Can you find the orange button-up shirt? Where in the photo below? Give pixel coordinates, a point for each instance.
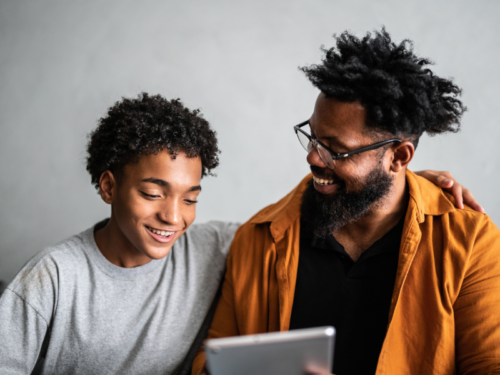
(445, 309)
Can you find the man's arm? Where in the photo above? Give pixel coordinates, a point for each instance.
(477, 308)
(22, 331)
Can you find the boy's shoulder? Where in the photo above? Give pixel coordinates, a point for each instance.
(213, 228)
(214, 236)
(41, 274)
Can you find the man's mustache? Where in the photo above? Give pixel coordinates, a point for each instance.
(325, 174)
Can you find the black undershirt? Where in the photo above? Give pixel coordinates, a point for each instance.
(354, 297)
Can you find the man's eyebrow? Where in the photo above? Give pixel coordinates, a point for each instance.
(156, 181)
(335, 141)
(331, 140)
(160, 182)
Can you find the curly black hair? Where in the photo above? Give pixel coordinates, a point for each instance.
(401, 95)
(146, 125)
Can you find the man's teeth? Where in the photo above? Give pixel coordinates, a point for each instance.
(161, 232)
(322, 182)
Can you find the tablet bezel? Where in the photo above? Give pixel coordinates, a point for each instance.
(322, 336)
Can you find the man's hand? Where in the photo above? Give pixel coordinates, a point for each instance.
(446, 181)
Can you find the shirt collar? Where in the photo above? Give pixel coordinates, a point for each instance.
(428, 198)
(285, 212)
(388, 243)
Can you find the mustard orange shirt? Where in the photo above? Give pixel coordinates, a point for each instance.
(445, 308)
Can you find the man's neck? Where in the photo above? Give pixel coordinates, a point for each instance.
(359, 236)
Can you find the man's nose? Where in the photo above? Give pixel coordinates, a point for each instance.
(314, 159)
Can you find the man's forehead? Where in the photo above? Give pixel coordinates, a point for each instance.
(346, 111)
(338, 120)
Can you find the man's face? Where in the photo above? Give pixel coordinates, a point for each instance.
(155, 201)
(346, 193)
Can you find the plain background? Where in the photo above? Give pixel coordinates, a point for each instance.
(63, 63)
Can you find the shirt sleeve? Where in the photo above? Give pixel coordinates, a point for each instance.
(224, 322)
(477, 308)
(22, 331)
(225, 233)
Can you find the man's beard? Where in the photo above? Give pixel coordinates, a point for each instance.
(325, 214)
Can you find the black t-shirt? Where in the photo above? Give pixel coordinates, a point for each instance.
(354, 297)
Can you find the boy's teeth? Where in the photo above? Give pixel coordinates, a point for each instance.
(161, 232)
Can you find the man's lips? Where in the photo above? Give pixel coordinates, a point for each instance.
(324, 186)
(323, 181)
(162, 236)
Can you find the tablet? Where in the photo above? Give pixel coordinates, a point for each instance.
(289, 353)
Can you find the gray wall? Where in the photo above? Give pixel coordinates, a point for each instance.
(63, 63)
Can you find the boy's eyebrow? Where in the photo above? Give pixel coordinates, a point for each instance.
(156, 181)
(161, 182)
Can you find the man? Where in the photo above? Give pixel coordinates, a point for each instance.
(411, 284)
(130, 294)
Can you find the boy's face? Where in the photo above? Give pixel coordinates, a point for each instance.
(154, 201)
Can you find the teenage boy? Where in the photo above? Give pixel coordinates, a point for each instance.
(117, 298)
(120, 297)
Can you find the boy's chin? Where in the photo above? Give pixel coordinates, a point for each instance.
(158, 252)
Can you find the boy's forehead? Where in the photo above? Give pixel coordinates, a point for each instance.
(165, 166)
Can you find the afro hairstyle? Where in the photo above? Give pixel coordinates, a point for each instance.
(147, 125)
(401, 95)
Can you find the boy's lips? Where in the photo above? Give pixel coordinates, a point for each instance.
(162, 236)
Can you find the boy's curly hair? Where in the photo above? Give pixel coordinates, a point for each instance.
(149, 124)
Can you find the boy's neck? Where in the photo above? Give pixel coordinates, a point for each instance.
(116, 247)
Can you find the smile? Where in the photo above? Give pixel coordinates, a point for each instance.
(323, 182)
(162, 233)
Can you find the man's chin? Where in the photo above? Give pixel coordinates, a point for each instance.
(328, 208)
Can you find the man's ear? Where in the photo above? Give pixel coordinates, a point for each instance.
(402, 155)
(107, 186)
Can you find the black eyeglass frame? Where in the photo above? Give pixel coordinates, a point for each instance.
(336, 155)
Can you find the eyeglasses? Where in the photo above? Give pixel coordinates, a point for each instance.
(328, 156)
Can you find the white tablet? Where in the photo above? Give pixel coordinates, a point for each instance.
(289, 353)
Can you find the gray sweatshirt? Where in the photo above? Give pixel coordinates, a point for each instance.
(70, 311)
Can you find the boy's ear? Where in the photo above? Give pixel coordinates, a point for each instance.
(107, 186)
(403, 154)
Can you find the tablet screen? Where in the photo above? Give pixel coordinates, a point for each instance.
(290, 353)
